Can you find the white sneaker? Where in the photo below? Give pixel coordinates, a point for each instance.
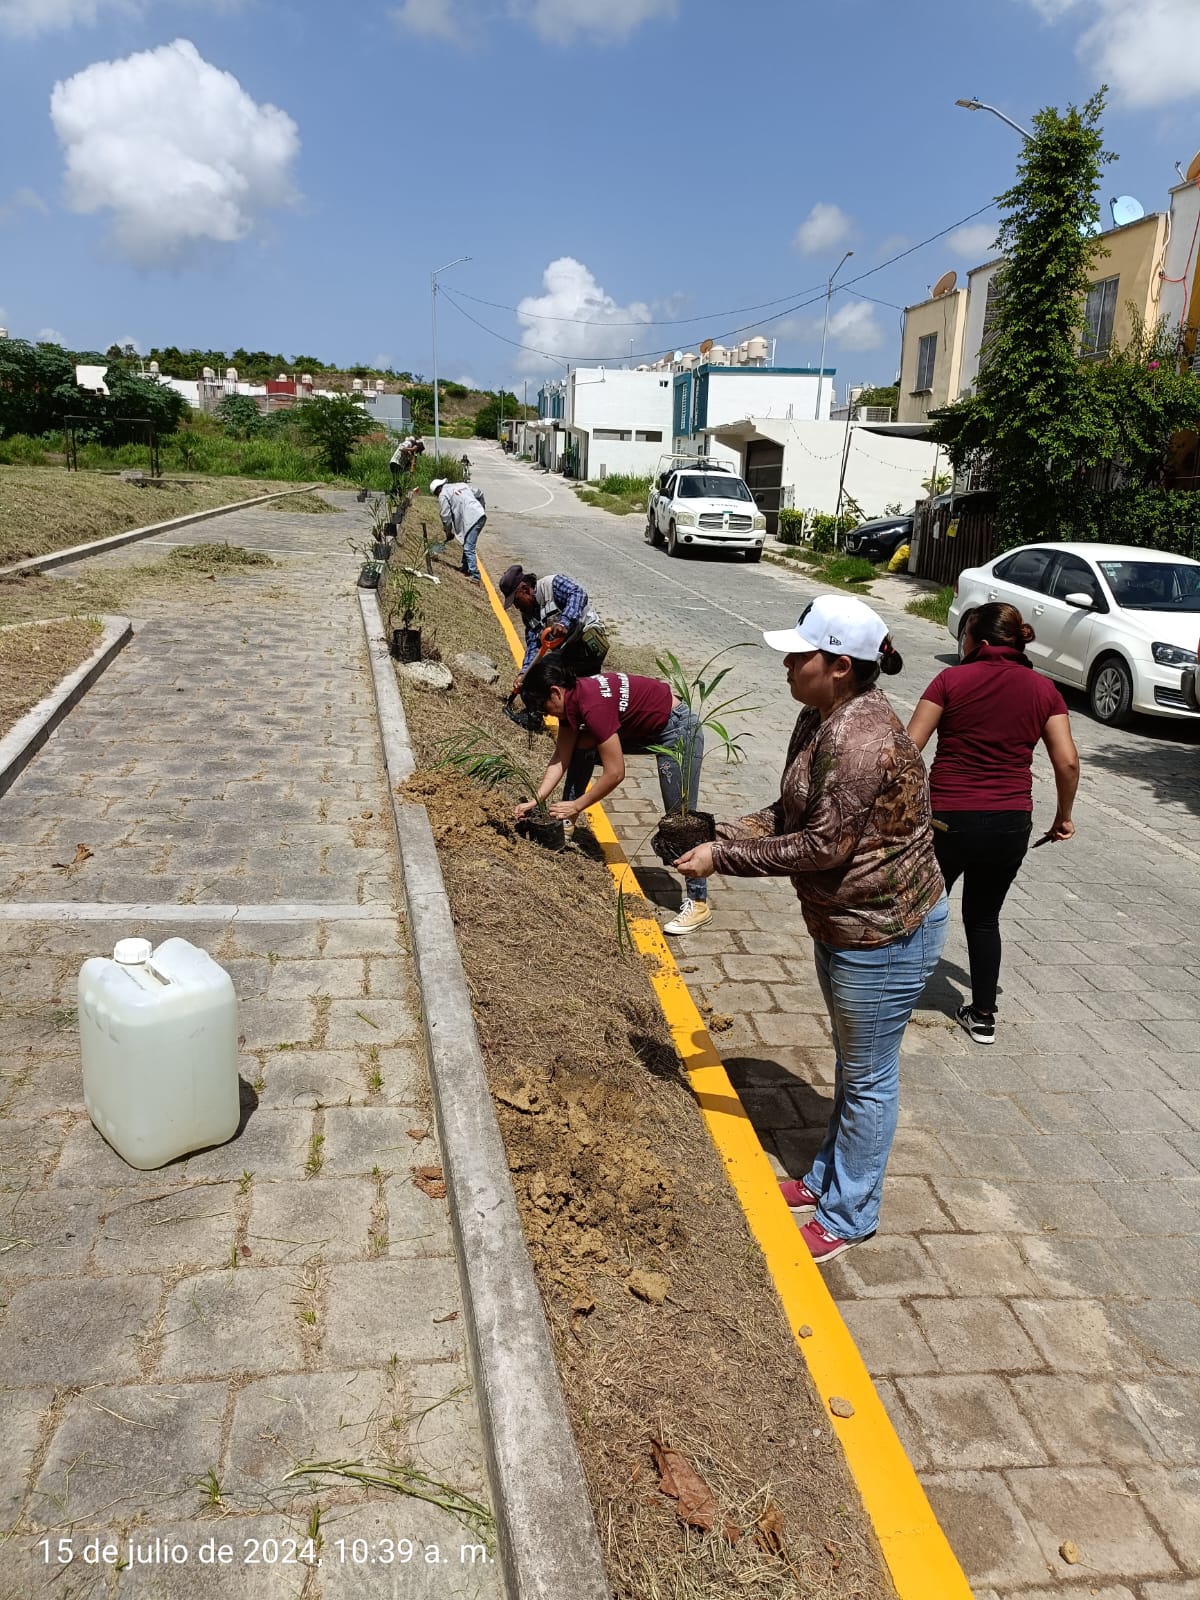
(693, 914)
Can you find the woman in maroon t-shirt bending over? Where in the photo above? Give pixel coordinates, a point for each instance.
(606, 716)
(989, 712)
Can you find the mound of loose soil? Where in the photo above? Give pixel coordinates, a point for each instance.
(665, 1323)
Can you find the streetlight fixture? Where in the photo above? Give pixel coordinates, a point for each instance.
(825, 330)
(433, 279)
(978, 105)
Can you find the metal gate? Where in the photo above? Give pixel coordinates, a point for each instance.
(955, 535)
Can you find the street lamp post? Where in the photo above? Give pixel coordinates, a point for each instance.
(825, 331)
(978, 105)
(433, 279)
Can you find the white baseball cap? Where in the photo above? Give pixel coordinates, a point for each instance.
(841, 624)
(437, 485)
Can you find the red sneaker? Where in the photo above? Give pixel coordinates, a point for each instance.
(823, 1245)
(801, 1201)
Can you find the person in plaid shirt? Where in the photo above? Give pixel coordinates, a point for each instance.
(544, 602)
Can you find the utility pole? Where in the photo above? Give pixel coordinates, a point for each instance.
(978, 105)
(433, 279)
(825, 330)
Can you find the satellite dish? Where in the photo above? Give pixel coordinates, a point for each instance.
(678, 356)
(1193, 171)
(1126, 209)
(706, 347)
(1091, 228)
(945, 284)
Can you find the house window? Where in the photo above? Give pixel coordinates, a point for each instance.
(622, 435)
(1098, 316)
(926, 356)
(648, 435)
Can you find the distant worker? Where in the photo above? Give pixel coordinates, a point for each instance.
(466, 466)
(401, 463)
(556, 603)
(463, 512)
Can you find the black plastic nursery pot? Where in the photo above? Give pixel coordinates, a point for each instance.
(549, 832)
(381, 549)
(406, 644)
(391, 528)
(368, 576)
(679, 832)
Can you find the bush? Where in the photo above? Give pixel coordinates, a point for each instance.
(824, 529)
(370, 468)
(22, 451)
(335, 427)
(791, 527)
(626, 485)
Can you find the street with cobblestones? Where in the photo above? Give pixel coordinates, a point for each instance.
(1030, 1307)
(176, 1342)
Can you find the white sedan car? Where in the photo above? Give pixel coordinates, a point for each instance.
(1119, 622)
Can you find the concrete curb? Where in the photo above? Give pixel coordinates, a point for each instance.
(99, 547)
(546, 1532)
(22, 742)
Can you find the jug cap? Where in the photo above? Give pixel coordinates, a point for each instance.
(132, 952)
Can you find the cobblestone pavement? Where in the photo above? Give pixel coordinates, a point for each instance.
(174, 1343)
(1030, 1307)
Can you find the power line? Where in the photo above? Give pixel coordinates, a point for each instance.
(624, 355)
(647, 322)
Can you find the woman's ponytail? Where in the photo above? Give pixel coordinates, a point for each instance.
(890, 659)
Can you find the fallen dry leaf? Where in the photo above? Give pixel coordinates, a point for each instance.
(244, 1251)
(82, 853)
(695, 1504)
(583, 1305)
(804, 1331)
(719, 1022)
(1069, 1551)
(430, 1181)
(652, 1287)
(768, 1530)
(840, 1407)
(418, 1133)
(450, 1316)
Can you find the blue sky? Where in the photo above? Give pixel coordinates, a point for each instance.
(287, 174)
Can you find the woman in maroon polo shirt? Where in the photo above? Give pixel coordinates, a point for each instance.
(989, 713)
(608, 715)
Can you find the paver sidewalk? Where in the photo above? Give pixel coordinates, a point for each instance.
(174, 1343)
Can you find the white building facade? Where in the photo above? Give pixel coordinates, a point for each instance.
(708, 397)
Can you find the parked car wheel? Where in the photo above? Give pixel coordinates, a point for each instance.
(1110, 692)
(651, 535)
(673, 546)
(754, 555)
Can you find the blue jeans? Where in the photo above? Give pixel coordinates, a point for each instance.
(680, 727)
(470, 540)
(870, 995)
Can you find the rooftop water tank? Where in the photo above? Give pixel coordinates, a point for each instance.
(718, 356)
(208, 375)
(306, 379)
(154, 369)
(757, 348)
(689, 360)
(282, 378)
(357, 386)
(743, 351)
(231, 375)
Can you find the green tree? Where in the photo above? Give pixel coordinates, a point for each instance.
(335, 426)
(487, 420)
(1034, 415)
(886, 396)
(240, 416)
(32, 380)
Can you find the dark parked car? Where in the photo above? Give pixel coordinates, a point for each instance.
(879, 541)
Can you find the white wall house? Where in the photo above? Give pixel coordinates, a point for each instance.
(708, 397)
(798, 464)
(615, 421)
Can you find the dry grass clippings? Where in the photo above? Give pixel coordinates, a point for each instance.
(665, 1322)
(36, 657)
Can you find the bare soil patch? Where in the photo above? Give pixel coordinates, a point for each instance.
(38, 656)
(46, 508)
(665, 1323)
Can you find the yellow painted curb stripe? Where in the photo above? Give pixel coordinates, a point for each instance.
(918, 1554)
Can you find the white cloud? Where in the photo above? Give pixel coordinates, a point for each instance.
(1147, 49)
(854, 326)
(50, 336)
(601, 21)
(892, 245)
(172, 181)
(431, 19)
(572, 291)
(22, 199)
(974, 242)
(127, 340)
(470, 383)
(825, 228)
(27, 18)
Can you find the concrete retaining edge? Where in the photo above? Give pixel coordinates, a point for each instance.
(26, 737)
(549, 1547)
(99, 547)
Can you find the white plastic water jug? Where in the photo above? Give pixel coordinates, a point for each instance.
(158, 1033)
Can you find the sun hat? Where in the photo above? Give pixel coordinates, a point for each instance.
(436, 485)
(510, 578)
(841, 624)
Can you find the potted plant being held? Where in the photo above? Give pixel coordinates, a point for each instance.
(682, 829)
(404, 601)
(473, 751)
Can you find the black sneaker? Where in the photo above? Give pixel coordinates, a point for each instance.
(981, 1027)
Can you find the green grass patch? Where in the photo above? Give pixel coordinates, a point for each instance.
(309, 504)
(208, 557)
(933, 607)
(620, 493)
(840, 571)
(608, 502)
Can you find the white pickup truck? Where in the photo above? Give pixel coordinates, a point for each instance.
(701, 502)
